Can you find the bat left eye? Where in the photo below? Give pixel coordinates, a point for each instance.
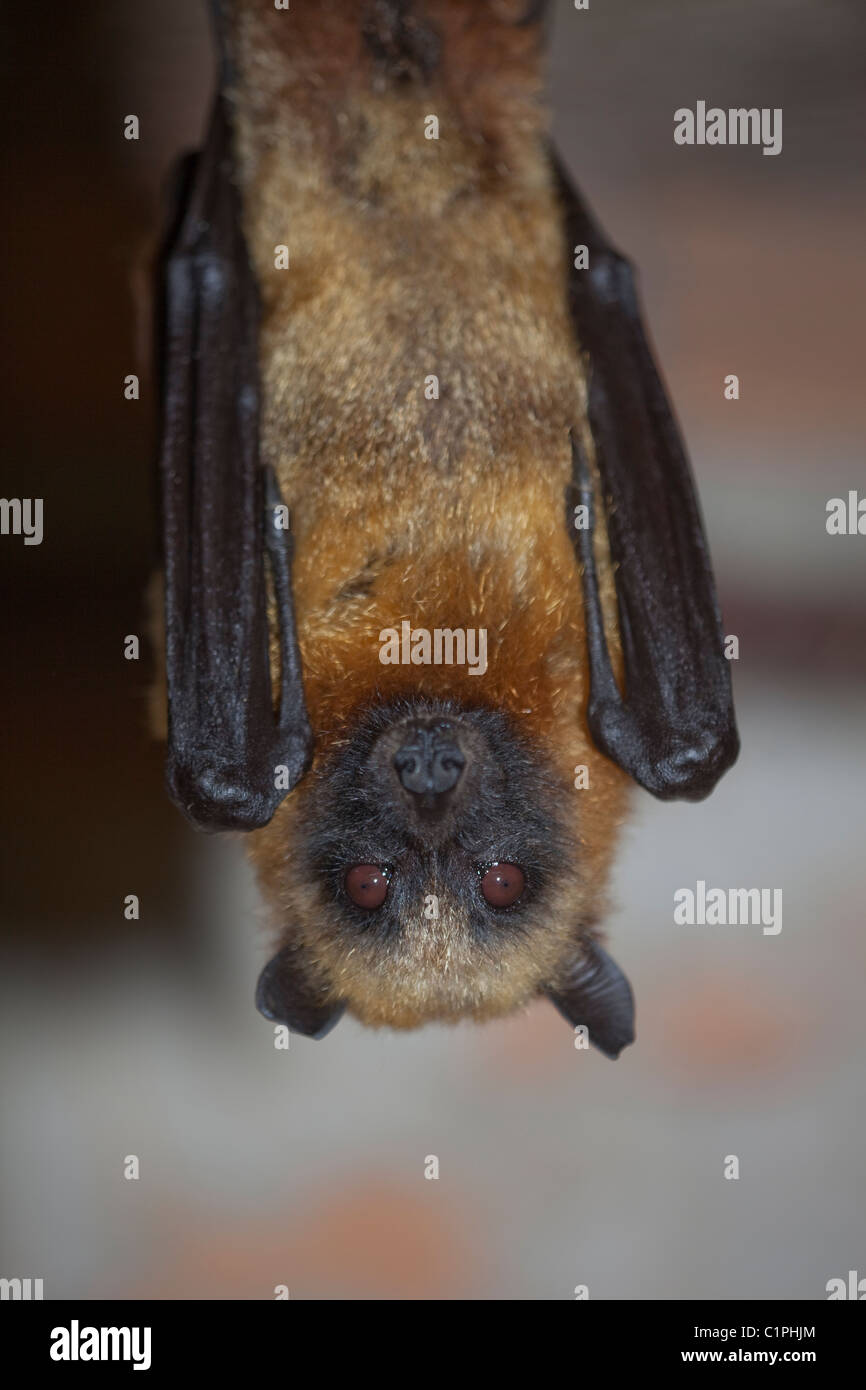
(367, 884)
(502, 884)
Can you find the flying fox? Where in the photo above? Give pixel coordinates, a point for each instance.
(406, 387)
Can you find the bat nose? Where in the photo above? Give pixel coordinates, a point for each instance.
(429, 763)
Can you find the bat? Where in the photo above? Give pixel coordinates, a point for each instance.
(437, 587)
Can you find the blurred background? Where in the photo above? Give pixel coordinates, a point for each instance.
(306, 1167)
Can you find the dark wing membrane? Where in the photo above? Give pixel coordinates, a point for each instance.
(225, 739)
(674, 729)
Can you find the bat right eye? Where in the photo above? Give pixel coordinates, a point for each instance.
(367, 884)
(502, 884)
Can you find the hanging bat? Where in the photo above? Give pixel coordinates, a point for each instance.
(406, 426)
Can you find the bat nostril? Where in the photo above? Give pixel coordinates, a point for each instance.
(409, 766)
(448, 764)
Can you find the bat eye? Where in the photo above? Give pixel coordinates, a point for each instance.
(367, 884)
(502, 884)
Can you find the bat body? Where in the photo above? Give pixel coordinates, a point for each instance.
(373, 319)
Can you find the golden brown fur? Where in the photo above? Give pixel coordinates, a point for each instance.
(412, 257)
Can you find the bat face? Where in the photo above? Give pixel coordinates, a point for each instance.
(434, 846)
(431, 868)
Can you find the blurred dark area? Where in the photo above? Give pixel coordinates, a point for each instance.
(141, 1034)
(82, 230)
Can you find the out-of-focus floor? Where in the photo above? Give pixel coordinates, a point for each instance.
(557, 1167)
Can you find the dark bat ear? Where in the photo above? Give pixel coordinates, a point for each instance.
(593, 991)
(286, 995)
(673, 730)
(231, 757)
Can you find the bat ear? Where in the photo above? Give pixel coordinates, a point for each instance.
(231, 756)
(285, 994)
(594, 991)
(673, 730)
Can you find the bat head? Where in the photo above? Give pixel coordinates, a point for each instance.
(430, 874)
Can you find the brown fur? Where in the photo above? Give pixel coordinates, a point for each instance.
(409, 257)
